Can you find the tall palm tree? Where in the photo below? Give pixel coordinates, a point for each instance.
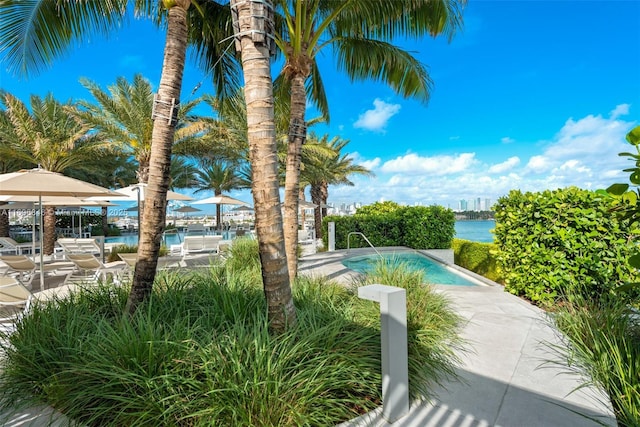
(124, 116)
(219, 177)
(357, 33)
(49, 135)
(322, 170)
(34, 33)
(254, 45)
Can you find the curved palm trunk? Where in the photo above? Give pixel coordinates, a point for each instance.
(297, 135)
(264, 164)
(49, 231)
(155, 206)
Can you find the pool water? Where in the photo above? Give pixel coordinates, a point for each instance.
(434, 272)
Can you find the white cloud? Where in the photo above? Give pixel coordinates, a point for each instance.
(412, 164)
(582, 153)
(507, 140)
(376, 120)
(508, 164)
(538, 164)
(620, 110)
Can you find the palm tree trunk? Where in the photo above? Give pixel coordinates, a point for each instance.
(49, 232)
(105, 220)
(264, 164)
(155, 207)
(4, 223)
(297, 135)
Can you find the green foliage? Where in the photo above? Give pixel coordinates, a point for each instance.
(602, 346)
(378, 208)
(554, 242)
(389, 224)
(198, 352)
(478, 257)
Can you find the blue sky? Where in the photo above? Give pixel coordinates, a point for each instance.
(532, 95)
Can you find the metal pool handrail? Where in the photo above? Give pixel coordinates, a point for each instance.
(365, 238)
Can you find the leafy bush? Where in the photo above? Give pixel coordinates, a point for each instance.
(199, 353)
(555, 242)
(478, 257)
(388, 224)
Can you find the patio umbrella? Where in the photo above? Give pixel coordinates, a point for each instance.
(61, 202)
(136, 193)
(219, 200)
(39, 183)
(187, 209)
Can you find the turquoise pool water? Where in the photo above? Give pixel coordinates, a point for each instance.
(434, 272)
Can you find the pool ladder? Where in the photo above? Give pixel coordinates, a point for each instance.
(364, 237)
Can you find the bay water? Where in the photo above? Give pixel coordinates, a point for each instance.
(475, 230)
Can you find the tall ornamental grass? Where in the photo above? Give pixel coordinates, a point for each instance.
(199, 353)
(602, 346)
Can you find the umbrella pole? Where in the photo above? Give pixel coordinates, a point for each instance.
(41, 245)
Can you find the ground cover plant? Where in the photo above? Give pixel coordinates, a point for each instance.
(199, 352)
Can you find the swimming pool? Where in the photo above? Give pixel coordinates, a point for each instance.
(434, 272)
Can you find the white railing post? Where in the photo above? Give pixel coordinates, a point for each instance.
(393, 335)
(331, 230)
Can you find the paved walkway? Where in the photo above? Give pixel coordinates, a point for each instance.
(505, 380)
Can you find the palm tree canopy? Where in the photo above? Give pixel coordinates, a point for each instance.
(359, 33)
(33, 33)
(48, 134)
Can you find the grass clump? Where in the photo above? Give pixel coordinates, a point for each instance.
(601, 344)
(199, 353)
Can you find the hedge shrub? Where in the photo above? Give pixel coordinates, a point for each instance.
(553, 242)
(389, 224)
(478, 257)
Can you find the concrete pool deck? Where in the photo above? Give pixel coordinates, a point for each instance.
(505, 380)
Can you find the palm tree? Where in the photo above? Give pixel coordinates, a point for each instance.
(48, 135)
(322, 171)
(219, 177)
(254, 44)
(34, 33)
(124, 116)
(358, 34)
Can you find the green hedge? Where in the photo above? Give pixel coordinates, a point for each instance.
(478, 257)
(417, 227)
(554, 242)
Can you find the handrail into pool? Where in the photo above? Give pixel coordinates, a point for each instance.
(365, 238)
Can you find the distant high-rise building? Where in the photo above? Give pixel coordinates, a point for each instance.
(462, 205)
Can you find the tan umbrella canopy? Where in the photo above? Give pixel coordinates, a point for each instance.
(130, 194)
(40, 183)
(220, 200)
(187, 209)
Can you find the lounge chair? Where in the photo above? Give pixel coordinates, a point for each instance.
(9, 245)
(92, 269)
(22, 268)
(79, 246)
(196, 229)
(15, 299)
(200, 244)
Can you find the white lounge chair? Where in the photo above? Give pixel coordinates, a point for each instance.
(92, 269)
(79, 246)
(15, 299)
(200, 244)
(7, 244)
(25, 270)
